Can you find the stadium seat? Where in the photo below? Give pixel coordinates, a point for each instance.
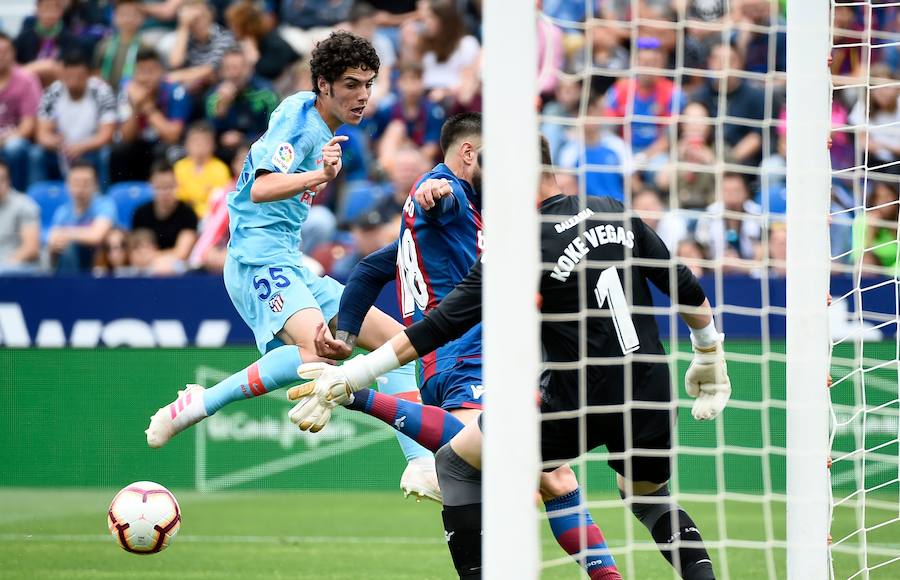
(128, 196)
(357, 200)
(49, 195)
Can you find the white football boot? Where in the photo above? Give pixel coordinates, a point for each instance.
(420, 480)
(186, 410)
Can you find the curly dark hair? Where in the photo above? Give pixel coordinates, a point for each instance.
(339, 52)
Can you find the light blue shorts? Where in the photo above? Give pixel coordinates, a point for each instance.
(266, 296)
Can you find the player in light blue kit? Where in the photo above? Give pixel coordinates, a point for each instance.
(279, 299)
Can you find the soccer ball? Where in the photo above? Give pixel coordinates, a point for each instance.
(144, 517)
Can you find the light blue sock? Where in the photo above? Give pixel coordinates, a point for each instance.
(275, 370)
(402, 383)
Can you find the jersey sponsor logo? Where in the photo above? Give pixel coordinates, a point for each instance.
(574, 220)
(283, 157)
(578, 249)
(276, 303)
(477, 391)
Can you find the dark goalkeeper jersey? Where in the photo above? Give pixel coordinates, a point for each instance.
(597, 266)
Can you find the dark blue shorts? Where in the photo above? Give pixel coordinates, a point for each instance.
(459, 387)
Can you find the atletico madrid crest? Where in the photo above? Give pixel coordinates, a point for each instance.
(276, 303)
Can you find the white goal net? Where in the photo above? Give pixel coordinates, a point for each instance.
(678, 109)
(865, 392)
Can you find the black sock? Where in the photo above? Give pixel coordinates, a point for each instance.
(690, 559)
(669, 523)
(462, 528)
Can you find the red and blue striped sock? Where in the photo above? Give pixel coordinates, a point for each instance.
(579, 536)
(430, 427)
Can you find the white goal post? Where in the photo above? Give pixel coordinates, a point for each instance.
(511, 349)
(808, 269)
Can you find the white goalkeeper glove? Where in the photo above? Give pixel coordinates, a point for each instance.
(707, 378)
(331, 386)
(326, 389)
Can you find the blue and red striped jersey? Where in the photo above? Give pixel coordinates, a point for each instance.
(437, 249)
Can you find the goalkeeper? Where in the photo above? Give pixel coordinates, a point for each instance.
(607, 237)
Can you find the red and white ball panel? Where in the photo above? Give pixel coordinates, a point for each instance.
(144, 517)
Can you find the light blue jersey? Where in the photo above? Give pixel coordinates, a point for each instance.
(266, 233)
(264, 274)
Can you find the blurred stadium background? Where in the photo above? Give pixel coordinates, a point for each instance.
(95, 336)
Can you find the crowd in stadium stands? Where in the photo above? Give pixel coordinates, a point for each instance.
(125, 124)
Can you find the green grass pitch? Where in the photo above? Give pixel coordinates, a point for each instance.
(62, 534)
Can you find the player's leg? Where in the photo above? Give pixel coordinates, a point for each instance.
(567, 512)
(643, 484)
(459, 473)
(672, 528)
(419, 478)
(283, 317)
(458, 466)
(376, 330)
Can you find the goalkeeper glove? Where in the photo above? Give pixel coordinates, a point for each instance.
(707, 378)
(331, 386)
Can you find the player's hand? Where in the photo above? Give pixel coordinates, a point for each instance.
(328, 347)
(331, 157)
(707, 381)
(431, 191)
(310, 414)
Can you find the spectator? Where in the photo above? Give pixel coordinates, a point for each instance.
(742, 101)
(172, 221)
(240, 105)
(550, 54)
(82, 223)
(753, 44)
(362, 21)
(198, 47)
(20, 93)
(695, 186)
(451, 58)
(76, 121)
(692, 255)
(143, 255)
(410, 118)
(308, 21)
(409, 165)
(39, 46)
(648, 95)
(669, 226)
(210, 250)
(370, 231)
(606, 49)
(565, 104)
(111, 258)
(115, 56)
(875, 230)
(847, 56)
(265, 49)
(606, 154)
(200, 173)
(20, 228)
(880, 119)
(778, 250)
(153, 113)
(732, 228)
(160, 16)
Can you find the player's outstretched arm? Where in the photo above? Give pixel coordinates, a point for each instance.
(331, 386)
(275, 186)
(360, 293)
